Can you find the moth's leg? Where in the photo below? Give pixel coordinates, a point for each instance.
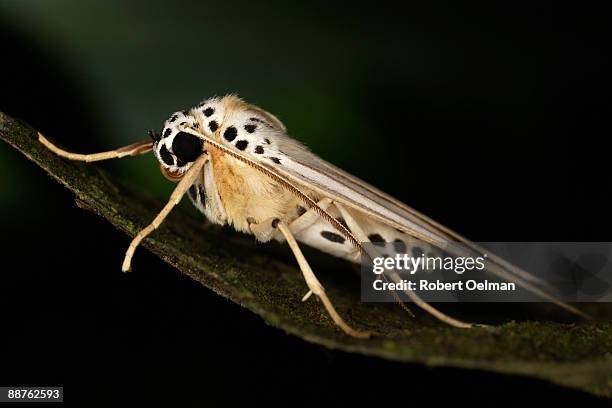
(188, 179)
(265, 230)
(130, 150)
(315, 286)
(361, 236)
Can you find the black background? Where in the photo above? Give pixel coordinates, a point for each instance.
(532, 165)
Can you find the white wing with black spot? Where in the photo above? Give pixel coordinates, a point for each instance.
(252, 133)
(259, 137)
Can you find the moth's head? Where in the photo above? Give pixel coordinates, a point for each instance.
(175, 149)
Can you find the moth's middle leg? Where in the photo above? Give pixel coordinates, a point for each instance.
(265, 230)
(268, 227)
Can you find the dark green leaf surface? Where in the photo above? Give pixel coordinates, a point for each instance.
(577, 355)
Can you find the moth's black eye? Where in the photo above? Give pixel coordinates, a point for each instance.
(186, 147)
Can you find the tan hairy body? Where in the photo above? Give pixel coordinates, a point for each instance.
(245, 196)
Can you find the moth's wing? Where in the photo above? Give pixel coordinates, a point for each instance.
(262, 137)
(330, 181)
(258, 135)
(347, 189)
(314, 173)
(250, 132)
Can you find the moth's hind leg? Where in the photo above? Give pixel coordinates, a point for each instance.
(312, 282)
(361, 236)
(134, 149)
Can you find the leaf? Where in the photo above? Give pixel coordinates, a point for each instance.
(577, 355)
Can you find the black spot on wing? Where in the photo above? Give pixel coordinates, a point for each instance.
(259, 149)
(167, 132)
(173, 118)
(333, 237)
(242, 144)
(377, 240)
(230, 133)
(400, 246)
(267, 140)
(275, 160)
(213, 125)
(250, 128)
(166, 156)
(417, 251)
(208, 112)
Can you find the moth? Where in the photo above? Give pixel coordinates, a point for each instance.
(238, 166)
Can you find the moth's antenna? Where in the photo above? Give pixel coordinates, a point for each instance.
(155, 135)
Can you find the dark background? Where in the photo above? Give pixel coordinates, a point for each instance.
(490, 119)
